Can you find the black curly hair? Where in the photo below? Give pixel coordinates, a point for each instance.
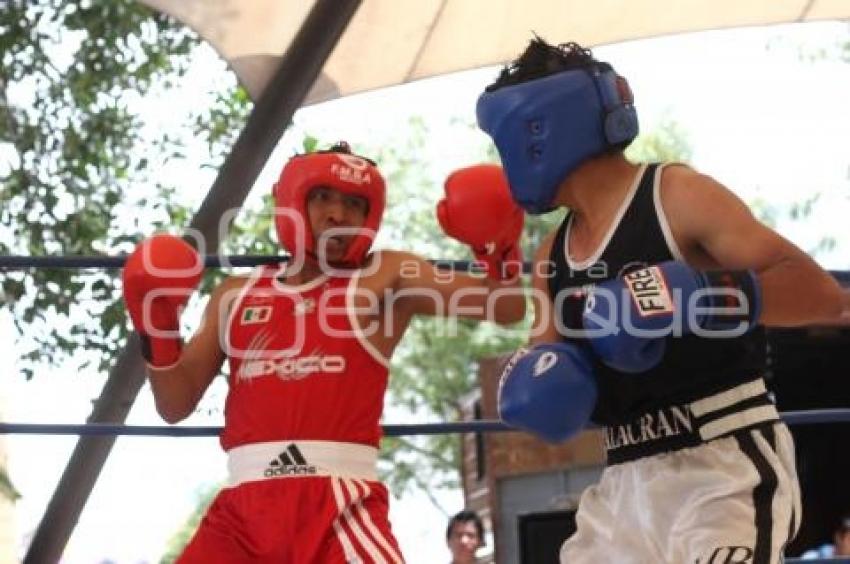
(345, 148)
(542, 59)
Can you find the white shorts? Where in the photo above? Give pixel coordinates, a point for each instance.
(730, 500)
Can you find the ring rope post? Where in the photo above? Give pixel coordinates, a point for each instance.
(298, 70)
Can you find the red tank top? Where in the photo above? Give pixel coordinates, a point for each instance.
(299, 370)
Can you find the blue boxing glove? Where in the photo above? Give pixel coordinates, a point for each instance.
(627, 319)
(548, 390)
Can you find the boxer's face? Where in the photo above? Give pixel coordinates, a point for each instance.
(329, 209)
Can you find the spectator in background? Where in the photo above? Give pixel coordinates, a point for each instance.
(464, 536)
(841, 540)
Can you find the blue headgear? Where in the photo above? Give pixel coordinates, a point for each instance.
(545, 128)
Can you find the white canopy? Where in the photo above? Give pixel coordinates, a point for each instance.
(391, 42)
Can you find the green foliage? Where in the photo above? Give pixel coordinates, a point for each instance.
(7, 489)
(665, 142)
(181, 538)
(221, 124)
(801, 210)
(813, 51)
(72, 156)
(765, 211)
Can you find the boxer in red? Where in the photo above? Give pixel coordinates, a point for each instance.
(308, 345)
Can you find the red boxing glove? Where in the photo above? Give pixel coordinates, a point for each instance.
(159, 276)
(478, 210)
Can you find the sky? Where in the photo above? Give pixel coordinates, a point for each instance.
(760, 114)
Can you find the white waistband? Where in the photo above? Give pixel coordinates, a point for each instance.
(297, 459)
(729, 397)
(711, 426)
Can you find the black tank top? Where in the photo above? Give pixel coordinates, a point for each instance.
(692, 367)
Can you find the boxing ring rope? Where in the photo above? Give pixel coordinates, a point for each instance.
(24, 262)
(811, 417)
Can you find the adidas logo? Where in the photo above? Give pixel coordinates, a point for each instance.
(290, 462)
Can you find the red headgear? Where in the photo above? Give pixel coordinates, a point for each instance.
(341, 171)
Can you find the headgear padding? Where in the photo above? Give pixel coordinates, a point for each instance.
(347, 173)
(545, 128)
